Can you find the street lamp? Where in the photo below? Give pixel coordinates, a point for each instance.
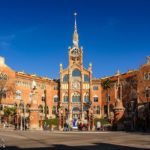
(133, 113)
(23, 115)
(45, 106)
(107, 101)
(1, 113)
(44, 100)
(2, 95)
(20, 111)
(147, 94)
(16, 116)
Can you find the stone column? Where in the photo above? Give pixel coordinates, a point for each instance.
(61, 121)
(69, 98)
(81, 96)
(92, 117)
(89, 121)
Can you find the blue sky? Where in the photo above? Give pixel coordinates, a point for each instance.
(35, 34)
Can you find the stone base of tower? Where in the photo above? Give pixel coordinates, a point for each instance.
(34, 120)
(35, 127)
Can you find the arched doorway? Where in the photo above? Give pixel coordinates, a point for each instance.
(75, 117)
(76, 113)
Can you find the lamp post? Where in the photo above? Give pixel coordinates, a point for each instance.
(107, 101)
(16, 116)
(2, 95)
(133, 103)
(45, 106)
(1, 109)
(147, 94)
(21, 106)
(22, 115)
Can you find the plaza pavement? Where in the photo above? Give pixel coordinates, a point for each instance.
(59, 140)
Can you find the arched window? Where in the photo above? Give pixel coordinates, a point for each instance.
(86, 98)
(3, 76)
(76, 73)
(56, 98)
(86, 78)
(146, 76)
(40, 109)
(85, 108)
(97, 109)
(147, 92)
(28, 108)
(95, 98)
(76, 109)
(95, 88)
(76, 97)
(47, 110)
(18, 95)
(54, 110)
(65, 98)
(65, 78)
(111, 107)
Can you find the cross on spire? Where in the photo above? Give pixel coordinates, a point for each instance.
(75, 24)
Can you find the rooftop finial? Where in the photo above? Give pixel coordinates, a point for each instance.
(75, 34)
(75, 23)
(2, 61)
(118, 72)
(148, 59)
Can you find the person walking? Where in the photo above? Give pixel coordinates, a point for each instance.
(98, 125)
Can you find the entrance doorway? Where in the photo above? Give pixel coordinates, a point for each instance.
(76, 113)
(75, 117)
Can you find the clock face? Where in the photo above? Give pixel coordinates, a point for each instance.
(76, 85)
(75, 52)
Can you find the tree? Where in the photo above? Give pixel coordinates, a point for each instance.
(7, 88)
(9, 113)
(106, 84)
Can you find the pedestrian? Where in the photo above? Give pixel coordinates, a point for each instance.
(65, 126)
(98, 125)
(69, 127)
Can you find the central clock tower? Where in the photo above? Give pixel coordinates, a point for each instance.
(75, 53)
(75, 82)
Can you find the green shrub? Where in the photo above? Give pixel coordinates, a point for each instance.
(9, 111)
(103, 121)
(50, 122)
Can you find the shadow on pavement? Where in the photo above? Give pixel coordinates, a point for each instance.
(97, 146)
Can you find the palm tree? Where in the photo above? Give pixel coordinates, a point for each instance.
(106, 84)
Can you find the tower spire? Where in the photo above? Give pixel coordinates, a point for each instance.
(75, 23)
(75, 34)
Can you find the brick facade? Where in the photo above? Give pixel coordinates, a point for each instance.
(76, 87)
